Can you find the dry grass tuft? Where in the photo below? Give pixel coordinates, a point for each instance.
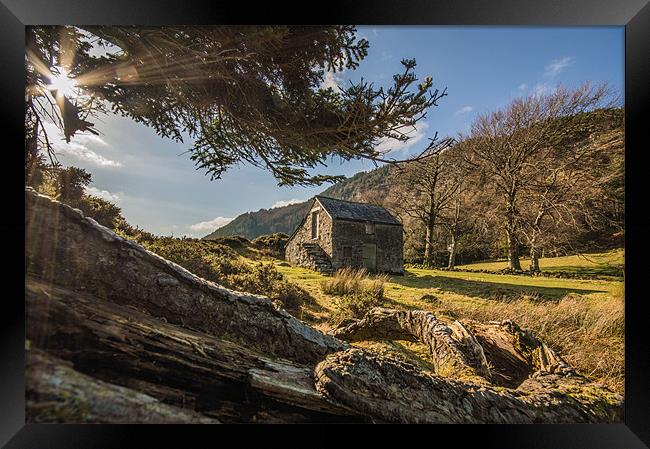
(356, 290)
(352, 281)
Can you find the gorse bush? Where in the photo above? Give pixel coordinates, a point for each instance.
(264, 279)
(272, 244)
(357, 292)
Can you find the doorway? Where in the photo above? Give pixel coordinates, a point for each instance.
(370, 256)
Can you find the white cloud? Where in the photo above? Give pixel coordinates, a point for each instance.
(89, 139)
(79, 147)
(557, 66)
(105, 194)
(464, 110)
(210, 225)
(283, 203)
(333, 80)
(541, 89)
(523, 86)
(415, 135)
(82, 152)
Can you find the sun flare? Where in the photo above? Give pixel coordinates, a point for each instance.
(62, 83)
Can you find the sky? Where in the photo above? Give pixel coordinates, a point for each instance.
(159, 189)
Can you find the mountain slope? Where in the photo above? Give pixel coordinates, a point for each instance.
(369, 186)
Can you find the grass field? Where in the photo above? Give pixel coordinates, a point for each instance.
(608, 264)
(583, 319)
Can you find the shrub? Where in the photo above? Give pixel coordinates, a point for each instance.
(103, 212)
(354, 305)
(214, 261)
(272, 244)
(264, 279)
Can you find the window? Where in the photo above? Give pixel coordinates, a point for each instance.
(314, 225)
(370, 228)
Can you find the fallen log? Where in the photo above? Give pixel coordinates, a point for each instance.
(453, 348)
(393, 391)
(65, 248)
(56, 393)
(188, 369)
(498, 352)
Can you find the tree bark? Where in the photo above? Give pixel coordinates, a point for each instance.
(452, 252)
(511, 232)
(188, 369)
(498, 352)
(393, 391)
(56, 393)
(65, 248)
(431, 222)
(534, 258)
(513, 249)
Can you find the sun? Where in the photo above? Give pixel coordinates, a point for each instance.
(62, 83)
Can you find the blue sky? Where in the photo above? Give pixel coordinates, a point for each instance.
(483, 68)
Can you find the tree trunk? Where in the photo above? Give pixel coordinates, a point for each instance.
(534, 258)
(511, 233)
(428, 244)
(394, 391)
(499, 352)
(56, 393)
(452, 252)
(64, 247)
(513, 250)
(192, 370)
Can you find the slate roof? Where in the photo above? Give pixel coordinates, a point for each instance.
(348, 210)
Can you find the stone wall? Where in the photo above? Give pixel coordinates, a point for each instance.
(352, 234)
(294, 252)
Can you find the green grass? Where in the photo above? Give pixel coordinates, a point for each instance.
(608, 264)
(582, 318)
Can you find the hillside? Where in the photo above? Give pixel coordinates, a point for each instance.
(264, 221)
(364, 186)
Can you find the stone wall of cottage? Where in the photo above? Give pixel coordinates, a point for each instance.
(295, 253)
(352, 234)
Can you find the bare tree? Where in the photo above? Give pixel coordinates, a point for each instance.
(424, 188)
(511, 145)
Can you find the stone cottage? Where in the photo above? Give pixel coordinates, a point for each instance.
(337, 233)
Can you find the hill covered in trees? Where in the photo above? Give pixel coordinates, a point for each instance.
(581, 196)
(364, 186)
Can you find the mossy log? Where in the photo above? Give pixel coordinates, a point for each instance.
(499, 352)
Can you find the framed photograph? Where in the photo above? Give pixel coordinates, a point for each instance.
(383, 213)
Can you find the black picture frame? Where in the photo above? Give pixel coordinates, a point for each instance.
(633, 14)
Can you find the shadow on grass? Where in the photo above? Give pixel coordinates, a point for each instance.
(599, 270)
(484, 289)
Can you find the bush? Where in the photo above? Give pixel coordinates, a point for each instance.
(357, 292)
(272, 244)
(103, 212)
(354, 306)
(264, 279)
(216, 262)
